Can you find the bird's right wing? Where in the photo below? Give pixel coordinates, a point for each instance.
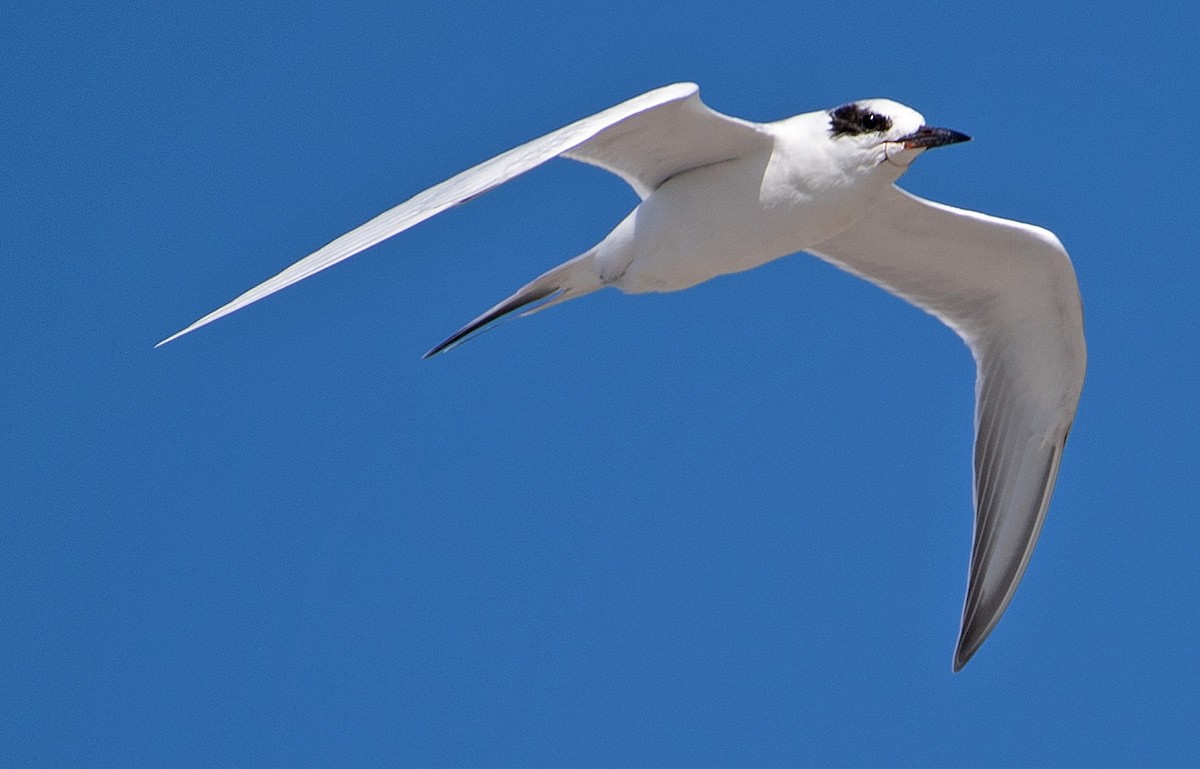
(1009, 290)
(645, 141)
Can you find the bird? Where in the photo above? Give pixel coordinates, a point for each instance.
(721, 195)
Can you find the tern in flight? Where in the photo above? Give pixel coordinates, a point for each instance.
(721, 195)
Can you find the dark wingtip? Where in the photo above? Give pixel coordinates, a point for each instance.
(522, 298)
(461, 335)
(969, 642)
(445, 344)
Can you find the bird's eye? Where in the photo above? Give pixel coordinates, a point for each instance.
(851, 119)
(873, 121)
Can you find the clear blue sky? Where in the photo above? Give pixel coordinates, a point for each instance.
(725, 527)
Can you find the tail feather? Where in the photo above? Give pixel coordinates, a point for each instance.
(566, 281)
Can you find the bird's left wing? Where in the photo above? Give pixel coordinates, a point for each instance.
(645, 141)
(1009, 290)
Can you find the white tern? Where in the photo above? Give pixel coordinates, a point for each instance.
(721, 195)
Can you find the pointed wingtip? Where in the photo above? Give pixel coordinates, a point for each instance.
(171, 338)
(450, 342)
(181, 332)
(968, 643)
(963, 654)
(530, 293)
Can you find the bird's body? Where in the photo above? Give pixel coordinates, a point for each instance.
(739, 214)
(722, 195)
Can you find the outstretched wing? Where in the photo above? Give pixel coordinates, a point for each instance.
(1009, 290)
(645, 141)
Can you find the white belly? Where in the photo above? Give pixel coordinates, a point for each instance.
(717, 220)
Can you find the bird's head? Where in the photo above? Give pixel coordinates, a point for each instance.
(884, 131)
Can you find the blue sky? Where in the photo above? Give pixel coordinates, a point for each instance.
(725, 527)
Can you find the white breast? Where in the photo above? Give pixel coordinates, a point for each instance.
(737, 215)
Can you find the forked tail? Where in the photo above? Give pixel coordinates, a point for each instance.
(569, 280)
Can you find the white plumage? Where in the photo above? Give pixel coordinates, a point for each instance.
(722, 195)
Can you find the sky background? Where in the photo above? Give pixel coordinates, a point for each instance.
(724, 527)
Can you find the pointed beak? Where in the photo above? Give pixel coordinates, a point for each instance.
(928, 136)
